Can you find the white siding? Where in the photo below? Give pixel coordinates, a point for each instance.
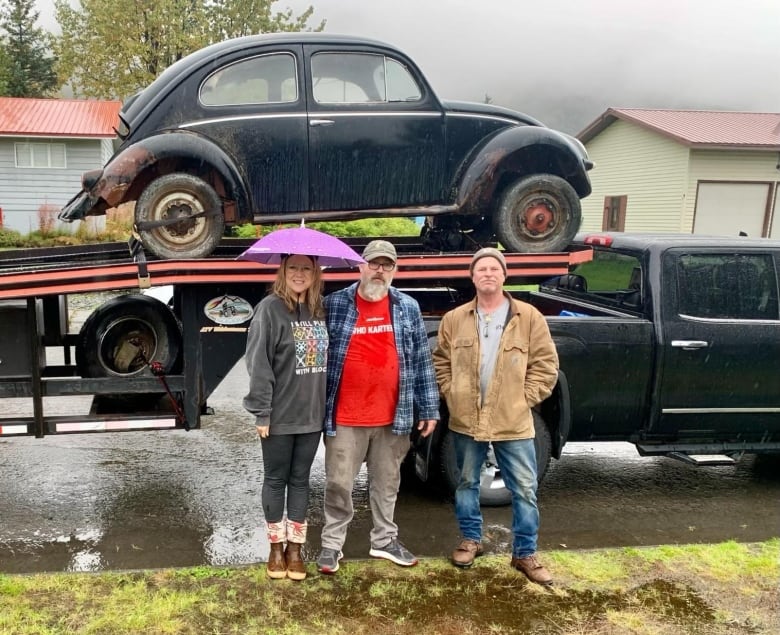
(644, 166)
(24, 190)
(734, 166)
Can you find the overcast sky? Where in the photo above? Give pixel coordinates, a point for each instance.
(566, 61)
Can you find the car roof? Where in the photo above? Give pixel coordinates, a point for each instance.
(177, 71)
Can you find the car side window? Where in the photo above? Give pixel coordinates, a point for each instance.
(355, 78)
(728, 286)
(263, 79)
(400, 83)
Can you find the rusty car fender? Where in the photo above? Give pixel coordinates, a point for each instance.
(520, 151)
(130, 169)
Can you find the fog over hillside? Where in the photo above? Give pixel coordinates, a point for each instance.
(566, 61)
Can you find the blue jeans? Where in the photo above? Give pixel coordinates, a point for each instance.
(517, 462)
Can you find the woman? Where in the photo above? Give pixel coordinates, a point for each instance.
(286, 356)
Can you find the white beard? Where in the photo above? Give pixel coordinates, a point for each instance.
(375, 290)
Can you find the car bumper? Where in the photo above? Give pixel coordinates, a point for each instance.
(78, 207)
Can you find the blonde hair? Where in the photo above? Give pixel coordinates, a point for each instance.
(313, 293)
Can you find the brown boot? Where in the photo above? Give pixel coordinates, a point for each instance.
(465, 552)
(277, 565)
(296, 536)
(533, 569)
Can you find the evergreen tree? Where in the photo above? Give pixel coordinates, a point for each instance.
(104, 57)
(26, 67)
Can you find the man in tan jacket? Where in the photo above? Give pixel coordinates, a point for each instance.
(495, 360)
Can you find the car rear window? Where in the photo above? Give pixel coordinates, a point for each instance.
(259, 80)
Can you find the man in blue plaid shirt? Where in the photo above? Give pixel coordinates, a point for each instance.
(380, 372)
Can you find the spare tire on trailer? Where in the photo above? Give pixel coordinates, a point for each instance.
(124, 335)
(537, 213)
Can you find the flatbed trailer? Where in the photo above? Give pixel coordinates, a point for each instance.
(164, 383)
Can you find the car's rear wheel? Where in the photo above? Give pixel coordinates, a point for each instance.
(179, 216)
(538, 213)
(492, 490)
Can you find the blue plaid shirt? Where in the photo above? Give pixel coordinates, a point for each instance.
(417, 389)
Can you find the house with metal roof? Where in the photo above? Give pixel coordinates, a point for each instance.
(691, 171)
(45, 146)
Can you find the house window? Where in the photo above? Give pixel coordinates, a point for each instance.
(614, 213)
(40, 155)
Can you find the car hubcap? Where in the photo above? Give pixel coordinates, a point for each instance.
(538, 219)
(181, 206)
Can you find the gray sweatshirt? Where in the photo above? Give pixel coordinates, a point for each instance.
(286, 356)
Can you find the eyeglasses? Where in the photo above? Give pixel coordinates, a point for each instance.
(385, 266)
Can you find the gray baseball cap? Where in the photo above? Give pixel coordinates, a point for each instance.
(379, 249)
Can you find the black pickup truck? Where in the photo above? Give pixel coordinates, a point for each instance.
(669, 342)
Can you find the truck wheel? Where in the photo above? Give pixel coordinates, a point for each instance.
(122, 336)
(538, 213)
(492, 491)
(179, 196)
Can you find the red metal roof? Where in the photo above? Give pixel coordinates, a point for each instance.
(58, 117)
(699, 128)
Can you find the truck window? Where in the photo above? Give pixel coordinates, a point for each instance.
(613, 278)
(728, 286)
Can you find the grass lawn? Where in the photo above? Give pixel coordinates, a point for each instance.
(727, 588)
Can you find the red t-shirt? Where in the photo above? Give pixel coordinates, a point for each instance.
(368, 393)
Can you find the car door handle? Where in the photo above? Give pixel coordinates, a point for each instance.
(689, 345)
(320, 122)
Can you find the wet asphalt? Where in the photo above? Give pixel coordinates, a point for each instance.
(135, 500)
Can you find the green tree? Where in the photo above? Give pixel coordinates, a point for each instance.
(104, 56)
(26, 66)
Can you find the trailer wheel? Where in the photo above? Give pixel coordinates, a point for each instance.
(177, 197)
(538, 213)
(121, 337)
(492, 491)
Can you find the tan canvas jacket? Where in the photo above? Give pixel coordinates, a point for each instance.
(526, 372)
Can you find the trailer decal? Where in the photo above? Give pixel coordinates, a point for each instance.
(228, 309)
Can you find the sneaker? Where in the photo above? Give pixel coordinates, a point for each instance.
(465, 552)
(328, 562)
(394, 551)
(532, 569)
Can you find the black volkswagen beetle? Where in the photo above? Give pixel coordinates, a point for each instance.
(275, 128)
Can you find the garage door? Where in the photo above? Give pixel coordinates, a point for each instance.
(725, 209)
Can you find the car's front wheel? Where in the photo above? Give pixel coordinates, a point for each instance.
(179, 216)
(492, 490)
(538, 213)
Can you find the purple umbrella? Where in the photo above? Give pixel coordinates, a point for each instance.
(329, 250)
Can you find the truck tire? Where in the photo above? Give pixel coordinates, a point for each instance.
(180, 196)
(492, 491)
(538, 213)
(121, 336)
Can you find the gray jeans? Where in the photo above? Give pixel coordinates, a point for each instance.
(383, 453)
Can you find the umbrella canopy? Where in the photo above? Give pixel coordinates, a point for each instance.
(329, 250)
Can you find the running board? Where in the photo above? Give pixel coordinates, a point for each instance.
(702, 459)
